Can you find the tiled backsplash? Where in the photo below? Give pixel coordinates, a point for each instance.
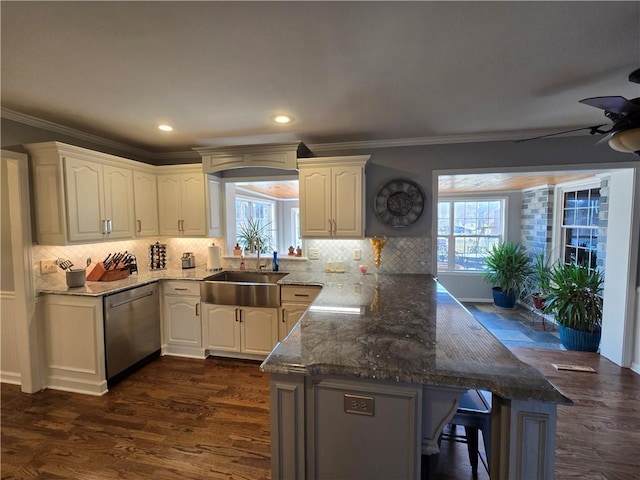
(400, 254)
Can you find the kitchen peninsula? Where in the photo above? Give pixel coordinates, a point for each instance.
(367, 379)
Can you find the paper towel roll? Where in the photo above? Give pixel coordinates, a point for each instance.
(213, 258)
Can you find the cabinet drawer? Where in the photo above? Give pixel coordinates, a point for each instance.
(299, 293)
(173, 287)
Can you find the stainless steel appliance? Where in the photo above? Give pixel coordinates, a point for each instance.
(188, 260)
(131, 330)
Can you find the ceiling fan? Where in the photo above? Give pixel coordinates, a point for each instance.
(623, 134)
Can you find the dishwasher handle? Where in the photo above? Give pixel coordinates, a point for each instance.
(130, 300)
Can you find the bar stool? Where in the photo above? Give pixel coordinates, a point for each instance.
(474, 414)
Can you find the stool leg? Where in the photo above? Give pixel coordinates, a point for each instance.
(472, 446)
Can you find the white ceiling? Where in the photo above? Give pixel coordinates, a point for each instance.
(346, 71)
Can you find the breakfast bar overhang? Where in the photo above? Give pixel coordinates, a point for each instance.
(365, 382)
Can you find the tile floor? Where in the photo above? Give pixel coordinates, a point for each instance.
(516, 328)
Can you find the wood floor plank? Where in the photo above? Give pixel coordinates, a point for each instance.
(209, 419)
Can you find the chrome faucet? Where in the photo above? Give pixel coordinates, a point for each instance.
(255, 243)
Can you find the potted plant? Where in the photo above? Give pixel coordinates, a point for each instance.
(539, 277)
(574, 297)
(252, 229)
(507, 268)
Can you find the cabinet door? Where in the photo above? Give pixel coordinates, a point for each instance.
(258, 329)
(182, 320)
(193, 205)
(118, 201)
(315, 202)
(222, 327)
(291, 313)
(347, 201)
(169, 204)
(145, 195)
(85, 200)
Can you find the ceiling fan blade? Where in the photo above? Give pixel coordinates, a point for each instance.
(616, 104)
(593, 130)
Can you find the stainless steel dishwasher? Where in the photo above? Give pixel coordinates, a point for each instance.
(131, 330)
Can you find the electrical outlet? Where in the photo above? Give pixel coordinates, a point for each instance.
(314, 254)
(48, 266)
(358, 404)
(357, 254)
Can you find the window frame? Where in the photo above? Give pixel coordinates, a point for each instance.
(229, 193)
(451, 253)
(559, 229)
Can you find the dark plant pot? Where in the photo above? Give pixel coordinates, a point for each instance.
(578, 340)
(538, 302)
(503, 300)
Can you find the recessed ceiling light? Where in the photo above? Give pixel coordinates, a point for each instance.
(165, 128)
(282, 119)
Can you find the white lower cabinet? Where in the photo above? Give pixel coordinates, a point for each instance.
(295, 301)
(242, 332)
(77, 321)
(182, 321)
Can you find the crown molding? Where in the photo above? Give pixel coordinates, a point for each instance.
(193, 156)
(436, 140)
(72, 132)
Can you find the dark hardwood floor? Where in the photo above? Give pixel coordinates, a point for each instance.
(195, 419)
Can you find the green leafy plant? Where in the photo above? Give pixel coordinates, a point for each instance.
(252, 229)
(574, 296)
(508, 267)
(540, 273)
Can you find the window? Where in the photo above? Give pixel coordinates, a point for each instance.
(466, 229)
(580, 218)
(271, 202)
(260, 211)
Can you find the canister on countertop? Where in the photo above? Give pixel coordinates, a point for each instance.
(76, 277)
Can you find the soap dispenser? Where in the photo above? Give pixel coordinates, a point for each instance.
(276, 265)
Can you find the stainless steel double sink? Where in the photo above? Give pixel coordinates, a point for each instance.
(247, 289)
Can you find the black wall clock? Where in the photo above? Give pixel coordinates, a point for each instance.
(399, 203)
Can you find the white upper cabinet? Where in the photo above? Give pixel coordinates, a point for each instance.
(81, 195)
(118, 202)
(181, 201)
(145, 190)
(332, 193)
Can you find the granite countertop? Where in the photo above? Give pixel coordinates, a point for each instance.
(58, 284)
(403, 328)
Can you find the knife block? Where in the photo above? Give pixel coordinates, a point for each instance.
(99, 274)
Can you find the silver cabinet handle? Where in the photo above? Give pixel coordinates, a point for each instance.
(198, 309)
(330, 227)
(335, 226)
(109, 226)
(104, 227)
(139, 226)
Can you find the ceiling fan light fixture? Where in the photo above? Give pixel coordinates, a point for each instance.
(282, 119)
(626, 141)
(165, 128)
